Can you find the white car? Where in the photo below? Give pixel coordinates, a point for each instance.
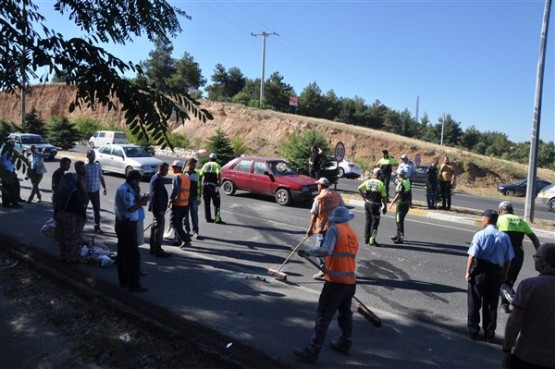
(546, 196)
(125, 158)
(346, 168)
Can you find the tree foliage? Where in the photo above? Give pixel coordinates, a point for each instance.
(62, 133)
(87, 126)
(28, 45)
(33, 124)
(219, 143)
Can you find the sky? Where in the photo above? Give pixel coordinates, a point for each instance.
(474, 60)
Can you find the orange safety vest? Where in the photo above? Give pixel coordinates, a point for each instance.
(327, 201)
(341, 264)
(182, 198)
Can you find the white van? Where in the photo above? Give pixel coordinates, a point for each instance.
(546, 196)
(101, 138)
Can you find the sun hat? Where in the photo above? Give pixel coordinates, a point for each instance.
(341, 215)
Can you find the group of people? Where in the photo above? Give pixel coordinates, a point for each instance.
(189, 186)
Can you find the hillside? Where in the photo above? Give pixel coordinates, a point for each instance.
(263, 131)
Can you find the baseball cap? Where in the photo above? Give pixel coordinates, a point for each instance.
(490, 213)
(376, 170)
(213, 156)
(404, 156)
(506, 205)
(177, 163)
(324, 181)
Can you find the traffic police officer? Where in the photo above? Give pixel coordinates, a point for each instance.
(374, 194)
(211, 180)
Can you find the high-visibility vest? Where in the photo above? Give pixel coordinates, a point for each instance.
(327, 201)
(341, 264)
(182, 198)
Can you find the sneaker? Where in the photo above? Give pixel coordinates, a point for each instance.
(219, 221)
(210, 220)
(507, 292)
(163, 254)
(197, 236)
(305, 356)
(185, 244)
(318, 275)
(341, 347)
(398, 240)
(395, 238)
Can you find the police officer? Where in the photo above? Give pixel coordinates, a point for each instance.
(386, 164)
(374, 194)
(489, 254)
(402, 198)
(211, 180)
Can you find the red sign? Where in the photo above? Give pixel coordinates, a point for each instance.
(339, 152)
(293, 101)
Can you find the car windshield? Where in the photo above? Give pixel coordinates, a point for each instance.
(30, 140)
(281, 168)
(521, 182)
(136, 152)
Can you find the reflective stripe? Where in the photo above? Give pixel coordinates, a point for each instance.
(341, 264)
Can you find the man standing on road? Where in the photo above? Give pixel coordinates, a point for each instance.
(340, 249)
(194, 198)
(65, 164)
(402, 200)
(93, 180)
(211, 181)
(324, 203)
(489, 254)
(126, 207)
(158, 206)
(375, 198)
(409, 168)
(515, 228)
(446, 182)
(314, 162)
(386, 164)
(179, 199)
(431, 184)
(533, 318)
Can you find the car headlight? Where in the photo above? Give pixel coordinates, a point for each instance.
(304, 189)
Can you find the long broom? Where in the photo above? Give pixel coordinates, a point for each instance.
(277, 272)
(362, 309)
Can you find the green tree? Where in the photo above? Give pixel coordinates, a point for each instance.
(33, 124)
(470, 138)
(546, 155)
(296, 149)
(239, 147)
(6, 128)
(311, 101)
(187, 76)
(226, 83)
(331, 105)
(62, 133)
(87, 126)
(220, 144)
(277, 92)
(96, 73)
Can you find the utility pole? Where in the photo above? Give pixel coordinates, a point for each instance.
(532, 164)
(417, 102)
(264, 35)
(442, 127)
(23, 71)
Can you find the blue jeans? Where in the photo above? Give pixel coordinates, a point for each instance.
(193, 210)
(431, 195)
(94, 198)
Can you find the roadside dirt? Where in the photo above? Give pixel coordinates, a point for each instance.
(46, 325)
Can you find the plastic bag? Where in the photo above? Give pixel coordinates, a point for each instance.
(49, 228)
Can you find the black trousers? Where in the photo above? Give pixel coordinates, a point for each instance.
(514, 270)
(483, 294)
(400, 214)
(445, 192)
(129, 259)
(177, 215)
(372, 219)
(334, 297)
(386, 179)
(210, 193)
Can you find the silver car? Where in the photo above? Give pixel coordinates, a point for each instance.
(125, 158)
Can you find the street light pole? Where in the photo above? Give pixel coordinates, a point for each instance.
(532, 164)
(264, 35)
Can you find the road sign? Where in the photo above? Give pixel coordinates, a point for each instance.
(339, 152)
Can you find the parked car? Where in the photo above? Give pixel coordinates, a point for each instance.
(518, 188)
(547, 197)
(267, 176)
(418, 178)
(345, 168)
(23, 141)
(101, 138)
(124, 158)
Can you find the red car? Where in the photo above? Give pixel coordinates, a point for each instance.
(267, 176)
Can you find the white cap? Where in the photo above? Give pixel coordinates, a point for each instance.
(404, 156)
(324, 181)
(213, 156)
(177, 163)
(376, 170)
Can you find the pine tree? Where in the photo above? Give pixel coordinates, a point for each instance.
(33, 124)
(221, 145)
(62, 133)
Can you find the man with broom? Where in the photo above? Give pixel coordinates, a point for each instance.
(340, 248)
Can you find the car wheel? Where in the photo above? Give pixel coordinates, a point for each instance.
(551, 205)
(340, 172)
(127, 170)
(228, 188)
(283, 197)
(509, 193)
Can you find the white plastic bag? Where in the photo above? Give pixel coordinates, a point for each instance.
(49, 228)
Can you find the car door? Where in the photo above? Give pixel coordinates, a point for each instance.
(104, 156)
(241, 174)
(118, 159)
(261, 181)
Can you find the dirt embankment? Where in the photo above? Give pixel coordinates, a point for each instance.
(263, 132)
